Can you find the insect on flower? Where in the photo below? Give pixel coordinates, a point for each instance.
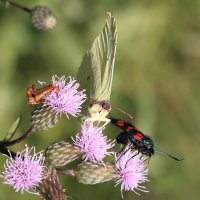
(96, 73)
(140, 142)
(36, 95)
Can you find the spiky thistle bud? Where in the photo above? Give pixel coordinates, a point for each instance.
(62, 153)
(43, 18)
(129, 171)
(93, 173)
(66, 101)
(43, 118)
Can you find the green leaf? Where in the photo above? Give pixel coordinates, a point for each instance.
(12, 130)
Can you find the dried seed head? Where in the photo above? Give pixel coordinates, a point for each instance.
(50, 187)
(43, 18)
(43, 118)
(61, 153)
(93, 173)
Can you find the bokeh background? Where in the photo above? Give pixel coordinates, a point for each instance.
(156, 79)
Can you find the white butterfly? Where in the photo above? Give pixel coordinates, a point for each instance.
(96, 73)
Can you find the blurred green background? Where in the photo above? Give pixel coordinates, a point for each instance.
(156, 79)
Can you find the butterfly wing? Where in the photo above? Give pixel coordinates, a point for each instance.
(85, 78)
(96, 71)
(102, 59)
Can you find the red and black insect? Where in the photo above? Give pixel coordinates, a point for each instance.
(131, 135)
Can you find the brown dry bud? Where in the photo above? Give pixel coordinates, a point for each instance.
(50, 187)
(43, 18)
(93, 173)
(62, 153)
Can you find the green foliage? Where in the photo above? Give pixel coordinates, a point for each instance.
(12, 130)
(156, 79)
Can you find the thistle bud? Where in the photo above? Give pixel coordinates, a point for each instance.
(93, 173)
(61, 153)
(43, 18)
(43, 118)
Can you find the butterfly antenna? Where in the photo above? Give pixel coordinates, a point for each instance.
(127, 114)
(166, 154)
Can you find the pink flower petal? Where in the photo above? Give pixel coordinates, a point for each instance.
(132, 170)
(68, 100)
(24, 172)
(93, 143)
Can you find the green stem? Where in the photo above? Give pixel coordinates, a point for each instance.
(7, 152)
(10, 143)
(20, 7)
(68, 172)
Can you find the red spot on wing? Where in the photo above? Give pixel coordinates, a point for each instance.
(138, 136)
(130, 128)
(120, 123)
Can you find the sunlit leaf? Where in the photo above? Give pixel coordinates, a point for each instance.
(12, 130)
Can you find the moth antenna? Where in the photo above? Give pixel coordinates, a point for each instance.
(126, 113)
(166, 154)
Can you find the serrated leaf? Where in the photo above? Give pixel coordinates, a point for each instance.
(12, 130)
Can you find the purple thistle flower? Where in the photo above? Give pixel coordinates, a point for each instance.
(68, 100)
(25, 171)
(132, 171)
(92, 143)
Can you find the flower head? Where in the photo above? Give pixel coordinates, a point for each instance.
(25, 171)
(92, 143)
(131, 170)
(68, 100)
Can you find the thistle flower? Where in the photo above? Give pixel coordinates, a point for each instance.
(25, 171)
(92, 143)
(131, 170)
(68, 100)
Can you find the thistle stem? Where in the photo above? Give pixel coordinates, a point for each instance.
(10, 143)
(68, 172)
(7, 152)
(20, 7)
